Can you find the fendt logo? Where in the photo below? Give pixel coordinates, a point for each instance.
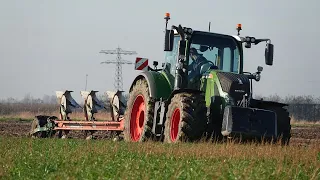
(239, 81)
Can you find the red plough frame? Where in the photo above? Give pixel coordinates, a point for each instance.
(90, 125)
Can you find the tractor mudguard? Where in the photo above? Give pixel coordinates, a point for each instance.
(249, 122)
(195, 91)
(159, 86)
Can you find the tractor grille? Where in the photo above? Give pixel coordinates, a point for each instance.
(236, 85)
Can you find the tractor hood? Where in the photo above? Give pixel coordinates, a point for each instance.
(235, 85)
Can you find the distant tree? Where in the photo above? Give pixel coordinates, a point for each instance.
(307, 99)
(49, 99)
(27, 99)
(274, 97)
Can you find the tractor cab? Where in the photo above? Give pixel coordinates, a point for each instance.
(205, 51)
(190, 54)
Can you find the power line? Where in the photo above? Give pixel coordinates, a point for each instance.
(86, 82)
(118, 82)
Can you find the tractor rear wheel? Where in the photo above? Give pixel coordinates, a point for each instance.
(139, 113)
(186, 118)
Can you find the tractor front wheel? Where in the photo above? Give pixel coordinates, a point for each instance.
(186, 118)
(139, 113)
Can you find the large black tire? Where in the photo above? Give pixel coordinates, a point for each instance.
(186, 118)
(139, 113)
(215, 121)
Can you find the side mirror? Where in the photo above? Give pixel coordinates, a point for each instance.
(168, 40)
(269, 54)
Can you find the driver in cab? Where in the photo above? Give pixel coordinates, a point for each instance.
(197, 61)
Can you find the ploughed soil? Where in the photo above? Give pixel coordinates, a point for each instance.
(301, 134)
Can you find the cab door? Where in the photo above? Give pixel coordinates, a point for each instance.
(171, 61)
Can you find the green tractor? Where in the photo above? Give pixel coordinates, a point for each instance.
(201, 92)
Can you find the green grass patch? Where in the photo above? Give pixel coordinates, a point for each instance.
(23, 158)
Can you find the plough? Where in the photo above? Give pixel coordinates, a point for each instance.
(44, 126)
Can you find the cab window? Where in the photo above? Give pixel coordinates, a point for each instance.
(221, 50)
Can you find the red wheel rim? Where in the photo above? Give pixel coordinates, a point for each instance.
(137, 118)
(175, 121)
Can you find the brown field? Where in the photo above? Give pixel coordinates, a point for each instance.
(303, 133)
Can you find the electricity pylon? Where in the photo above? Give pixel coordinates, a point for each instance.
(118, 82)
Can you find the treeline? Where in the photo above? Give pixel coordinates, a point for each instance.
(306, 99)
(47, 104)
(47, 99)
(300, 107)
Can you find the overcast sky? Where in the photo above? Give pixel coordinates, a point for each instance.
(51, 45)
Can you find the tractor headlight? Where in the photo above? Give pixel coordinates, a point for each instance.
(253, 40)
(257, 77)
(188, 30)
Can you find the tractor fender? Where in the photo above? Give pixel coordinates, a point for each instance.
(159, 86)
